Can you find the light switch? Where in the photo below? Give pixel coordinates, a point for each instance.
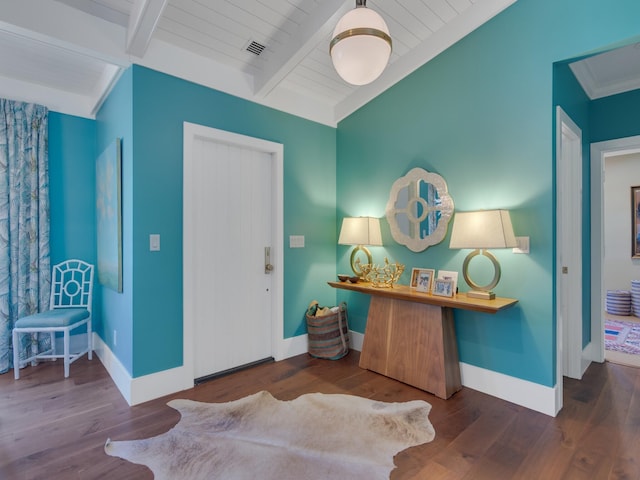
(154, 242)
(296, 241)
(523, 245)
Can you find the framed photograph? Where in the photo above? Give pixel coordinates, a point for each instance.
(425, 277)
(443, 287)
(415, 273)
(453, 276)
(635, 222)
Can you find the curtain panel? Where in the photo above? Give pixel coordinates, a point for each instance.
(25, 271)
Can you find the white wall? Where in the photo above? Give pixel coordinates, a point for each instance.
(618, 269)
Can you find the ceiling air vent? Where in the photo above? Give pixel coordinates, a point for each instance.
(255, 47)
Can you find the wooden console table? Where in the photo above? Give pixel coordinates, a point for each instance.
(410, 336)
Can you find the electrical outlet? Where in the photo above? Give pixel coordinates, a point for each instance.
(115, 337)
(523, 245)
(154, 242)
(296, 241)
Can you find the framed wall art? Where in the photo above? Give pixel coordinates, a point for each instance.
(109, 216)
(635, 222)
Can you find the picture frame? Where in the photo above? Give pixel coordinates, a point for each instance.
(635, 222)
(109, 216)
(448, 275)
(424, 280)
(415, 273)
(443, 287)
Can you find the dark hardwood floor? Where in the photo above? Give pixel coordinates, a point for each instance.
(52, 428)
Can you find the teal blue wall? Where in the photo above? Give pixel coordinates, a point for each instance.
(114, 120)
(615, 116)
(161, 103)
(72, 152)
(481, 115)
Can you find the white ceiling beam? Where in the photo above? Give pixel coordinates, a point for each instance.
(317, 26)
(144, 17)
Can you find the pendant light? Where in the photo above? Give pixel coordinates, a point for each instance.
(361, 45)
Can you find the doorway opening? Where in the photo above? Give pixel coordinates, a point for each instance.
(604, 274)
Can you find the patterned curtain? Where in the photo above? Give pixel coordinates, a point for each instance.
(25, 273)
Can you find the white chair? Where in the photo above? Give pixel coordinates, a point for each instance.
(69, 308)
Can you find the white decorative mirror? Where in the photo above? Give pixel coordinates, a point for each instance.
(419, 209)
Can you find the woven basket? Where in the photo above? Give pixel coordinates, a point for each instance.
(328, 334)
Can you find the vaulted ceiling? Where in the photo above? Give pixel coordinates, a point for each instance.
(67, 54)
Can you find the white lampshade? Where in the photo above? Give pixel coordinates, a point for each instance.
(361, 46)
(360, 231)
(482, 229)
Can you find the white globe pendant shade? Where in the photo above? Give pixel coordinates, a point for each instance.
(361, 46)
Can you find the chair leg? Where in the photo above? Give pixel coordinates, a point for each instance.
(89, 339)
(52, 336)
(66, 353)
(16, 356)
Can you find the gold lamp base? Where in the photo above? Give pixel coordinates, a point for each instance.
(481, 291)
(356, 265)
(481, 294)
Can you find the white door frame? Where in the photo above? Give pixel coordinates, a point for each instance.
(191, 133)
(600, 151)
(568, 247)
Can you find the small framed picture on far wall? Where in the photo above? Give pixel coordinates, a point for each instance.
(635, 222)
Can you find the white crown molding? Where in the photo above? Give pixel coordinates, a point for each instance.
(53, 99)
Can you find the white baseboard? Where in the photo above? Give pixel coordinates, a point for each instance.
(141, 389)
(116, 370)
(588, 355)
(515, 390)
(290, 347)
(356, 340)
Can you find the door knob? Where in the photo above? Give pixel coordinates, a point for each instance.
(267, 260)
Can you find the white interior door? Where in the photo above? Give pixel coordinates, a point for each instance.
(229, 228)
(569, 246)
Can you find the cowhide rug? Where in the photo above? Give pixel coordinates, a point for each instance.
(258, 437)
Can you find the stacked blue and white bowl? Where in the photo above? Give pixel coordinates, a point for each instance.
(635, 297)
(618, 302)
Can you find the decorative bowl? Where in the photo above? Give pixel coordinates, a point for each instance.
(343, 277)
(354, 279)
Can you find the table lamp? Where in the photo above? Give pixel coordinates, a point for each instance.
(482, 230)
(360, 231)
